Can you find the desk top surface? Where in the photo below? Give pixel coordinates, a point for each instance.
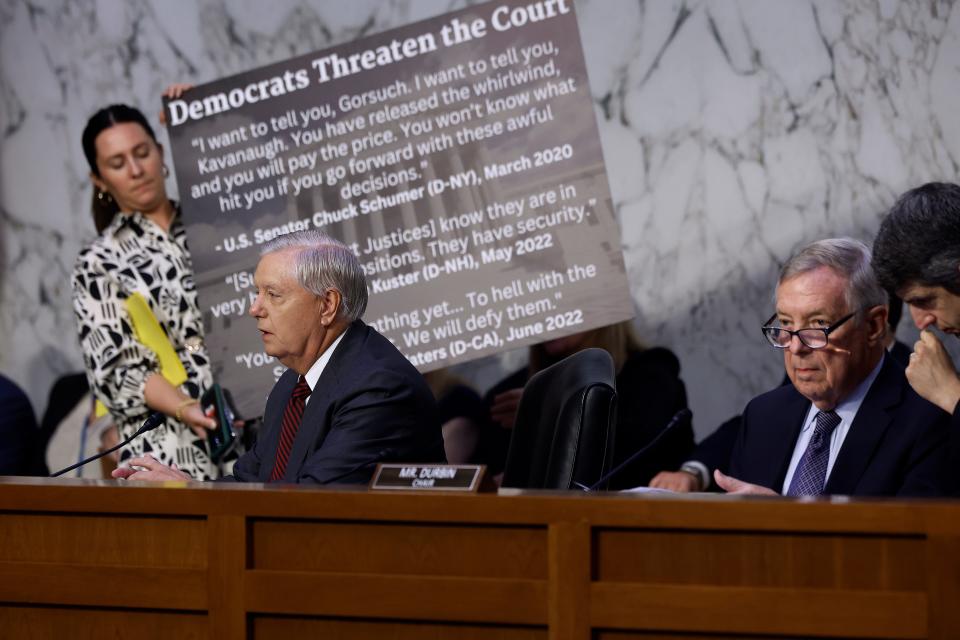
(510, 507)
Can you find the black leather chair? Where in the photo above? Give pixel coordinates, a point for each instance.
(563, 435)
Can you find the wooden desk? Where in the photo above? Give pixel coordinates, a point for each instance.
(81, 559)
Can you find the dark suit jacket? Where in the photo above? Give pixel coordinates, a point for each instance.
(714, 450)
(370, 405)
(953, 453)
(21, 453)
(900, 352)
(895, 445)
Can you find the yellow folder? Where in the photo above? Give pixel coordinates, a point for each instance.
(151, 335)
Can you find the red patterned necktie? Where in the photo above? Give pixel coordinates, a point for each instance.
(292, 415)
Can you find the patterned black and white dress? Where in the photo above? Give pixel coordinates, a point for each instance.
(132, 255)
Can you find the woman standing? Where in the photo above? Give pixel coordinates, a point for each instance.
(141, 249)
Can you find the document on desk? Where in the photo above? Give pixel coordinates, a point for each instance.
(646, 490)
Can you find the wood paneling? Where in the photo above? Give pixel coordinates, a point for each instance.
(942, 559)
(142, 541)
(48, 623)
(130, 586)
(569, 580)
(410, 597)
(227, 550)
(272, 627)
(760, 559)
(660, 635)
(412, 549)
(807, 612)
(207, 560)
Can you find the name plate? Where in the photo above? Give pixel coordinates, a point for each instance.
(427, 477)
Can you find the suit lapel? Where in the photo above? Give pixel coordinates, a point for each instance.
(314, 426)
(871, 422)
(782, 441)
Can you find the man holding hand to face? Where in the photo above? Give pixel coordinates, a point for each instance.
(917, 254)
(849, 423)
(348, 399)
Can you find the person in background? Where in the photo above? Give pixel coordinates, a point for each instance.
(917, 254)
(20, 450)
(142, 249)
(461, 414)
(649, 393)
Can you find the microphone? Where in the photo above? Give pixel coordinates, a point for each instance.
(153, 421)
(681, 416)
(382, 455)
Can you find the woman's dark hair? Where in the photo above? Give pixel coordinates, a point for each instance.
(105, 208)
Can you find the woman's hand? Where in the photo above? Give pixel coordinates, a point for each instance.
(162, 396)
(174, 91)
(199, 422)
(177, 89)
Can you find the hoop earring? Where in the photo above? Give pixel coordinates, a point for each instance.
(104, 196)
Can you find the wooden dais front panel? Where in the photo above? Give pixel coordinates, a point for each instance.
(859, 585)
(80, 559)
(399, 570)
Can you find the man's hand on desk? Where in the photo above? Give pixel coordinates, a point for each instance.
(676, 481)
(151, 470)
(739, 487)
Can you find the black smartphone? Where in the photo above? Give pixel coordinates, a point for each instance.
(222, 440)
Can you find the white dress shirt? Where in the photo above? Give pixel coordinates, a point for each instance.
(313, 375)
(847, 410)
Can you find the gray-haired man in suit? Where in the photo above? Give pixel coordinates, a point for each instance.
(348, 399)
(849, 424)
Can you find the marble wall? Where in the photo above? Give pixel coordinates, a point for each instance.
(733, 132)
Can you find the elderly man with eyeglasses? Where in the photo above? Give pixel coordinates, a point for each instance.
(849, 424)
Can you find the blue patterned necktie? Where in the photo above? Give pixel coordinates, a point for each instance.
(811, 472)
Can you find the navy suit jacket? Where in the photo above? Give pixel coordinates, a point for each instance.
(714, 451)
(895, 446)
(953, 453)
(370, 405)
(21, 452)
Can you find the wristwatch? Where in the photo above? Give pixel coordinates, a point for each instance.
(699, 472)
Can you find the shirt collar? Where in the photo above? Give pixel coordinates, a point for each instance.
(133, 221)
(313, 375)
(138, 223)
(847, 409)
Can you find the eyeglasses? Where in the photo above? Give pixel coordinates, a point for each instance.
(811, 338)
